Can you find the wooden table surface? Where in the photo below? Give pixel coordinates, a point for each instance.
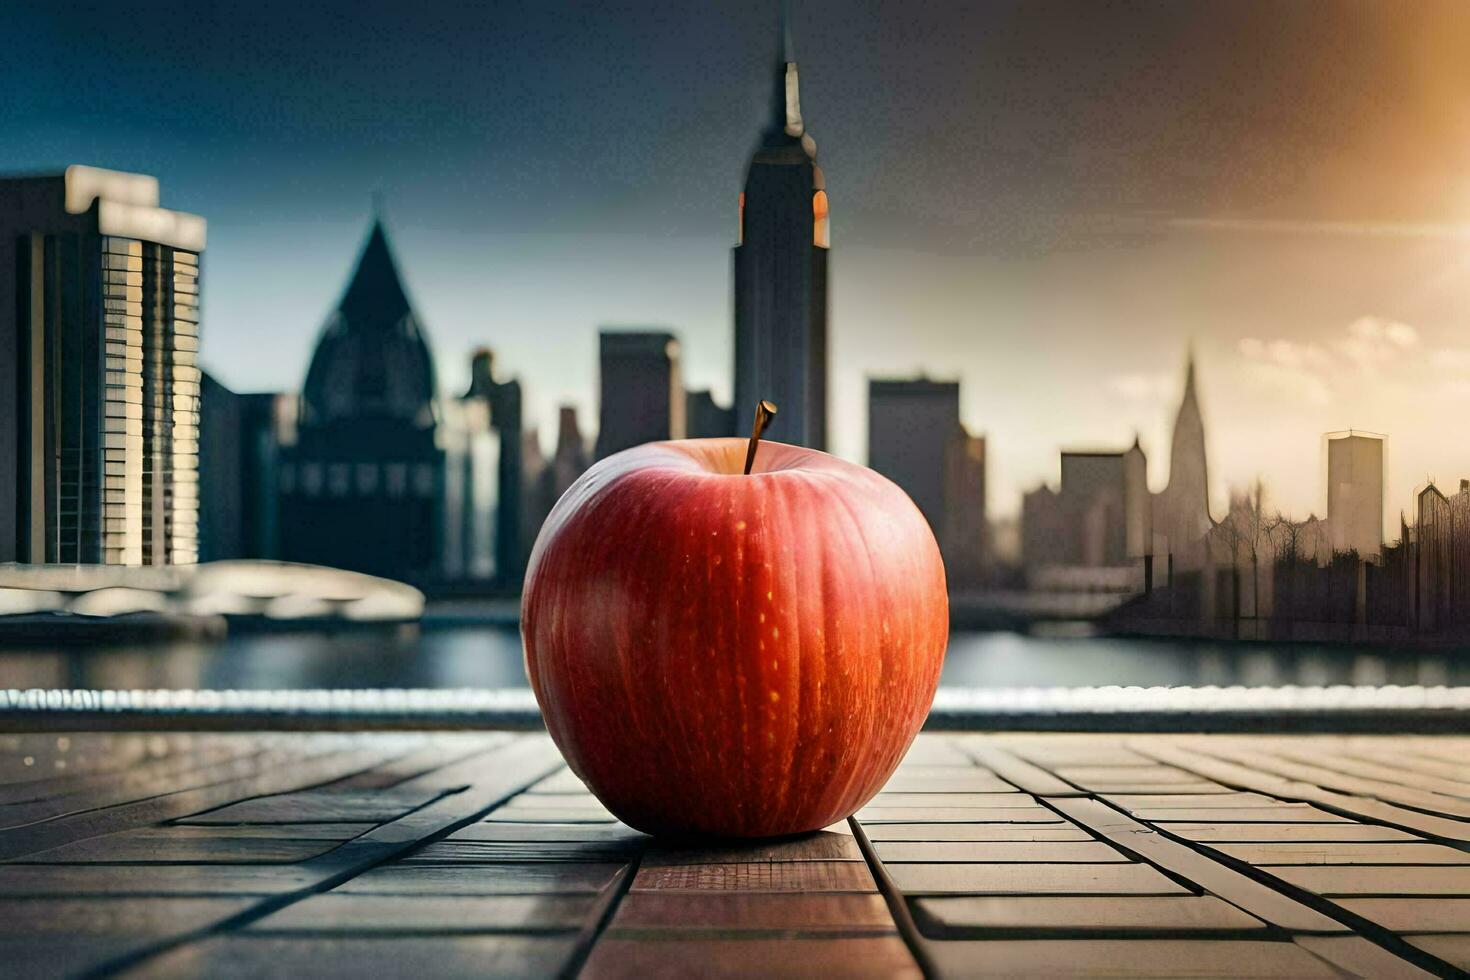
(437, 855)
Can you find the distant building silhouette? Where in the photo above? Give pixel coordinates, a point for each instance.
(1355, 492)
(1181, 511)
(566, 464)
(361, 488)
(512, 544)
(705, 418)
(916, 439)
(1104, 518)
(99, 336)
(964, 537)
(240, 439)
(781, 275)
(1092, 528)
(471, 501)
(534, 507)
(911, 424)
(642, 396)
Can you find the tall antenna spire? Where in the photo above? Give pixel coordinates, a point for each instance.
(788, 50)
(788, 86)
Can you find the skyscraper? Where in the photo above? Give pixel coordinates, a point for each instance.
(1181, 512)
(240, 436)
(706, 418)
(512, 545)
(642, 395)
(916, 439)
(99, 336)
(781, 274)
(1355, 492)
(911, 424)
(362, 486)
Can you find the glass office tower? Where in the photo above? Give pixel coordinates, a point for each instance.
(99, 439)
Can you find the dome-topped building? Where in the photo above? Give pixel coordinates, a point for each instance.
(362, 486)
(372, 361)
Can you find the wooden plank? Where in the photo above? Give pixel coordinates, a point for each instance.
(956, 814)
(1368, 880)
(547, 832)
(1265, 855)
(1454, 950)
(1413, 914)
(1329, 779)
(856, 957)
(1011, 800)
(20, 841)
(821, 846)
(770, 876)
(933, 749)
(998, 852)
(1252, 896)
(1395, 773)
(355, 957)
(59, 919)
(820, 912)
(471, 852)
(974, 832)
(1031, 778)
(1199, 958)
(1285, 813)
(945, 779)
(153, 848)
(1031, 879)
(109, 880)
(1361, 958)
(1288, 832)
(525, 878)
(1214, 801)
(338, 912)
(1154, 775)
(323, 805)
(1242, 776)
(1143, 915)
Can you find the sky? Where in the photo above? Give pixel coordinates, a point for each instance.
(1050, 200)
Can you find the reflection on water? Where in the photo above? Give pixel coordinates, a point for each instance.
(490, 656)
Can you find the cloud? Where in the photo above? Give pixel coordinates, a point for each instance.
(1144, 387)
(1370, 351)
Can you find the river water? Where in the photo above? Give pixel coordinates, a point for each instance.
(490, 657)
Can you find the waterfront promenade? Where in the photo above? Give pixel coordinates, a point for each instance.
(457, 854)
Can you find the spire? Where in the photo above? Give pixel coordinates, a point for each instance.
(788, 50)
(376, 292)
(787, 103)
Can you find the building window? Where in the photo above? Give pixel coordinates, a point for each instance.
(337, 479)
(396, 479)
(311, 479)
(423, 480)
(367, 479)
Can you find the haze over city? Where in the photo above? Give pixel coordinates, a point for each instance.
(1047, 200)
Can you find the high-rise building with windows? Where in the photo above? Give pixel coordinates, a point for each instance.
(99, 336)
(1355, 492)
(781, 275)
(642, 396)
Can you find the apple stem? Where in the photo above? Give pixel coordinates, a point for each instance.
(764, 412)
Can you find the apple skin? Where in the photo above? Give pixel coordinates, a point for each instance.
(730, 655)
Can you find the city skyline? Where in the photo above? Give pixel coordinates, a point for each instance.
(1319, 265)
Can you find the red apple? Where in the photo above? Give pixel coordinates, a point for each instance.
(734, 655)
